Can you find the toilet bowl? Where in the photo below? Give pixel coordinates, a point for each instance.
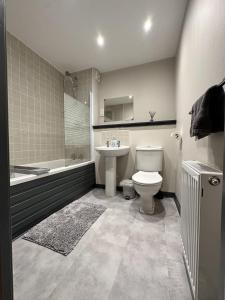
(147, 184)
(147, 181)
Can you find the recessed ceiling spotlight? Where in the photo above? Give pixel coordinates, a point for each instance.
(147, 25)
(100, 40)
(130, 97)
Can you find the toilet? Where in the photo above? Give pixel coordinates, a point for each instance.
(147, 181)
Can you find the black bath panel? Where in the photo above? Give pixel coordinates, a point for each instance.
(34, 200)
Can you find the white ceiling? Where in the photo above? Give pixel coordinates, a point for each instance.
(64, 31)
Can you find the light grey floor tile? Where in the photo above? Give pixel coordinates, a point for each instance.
(37, 273)
(128, 286)
(124, 255)
(180, 294)
(92, 274)
(170, 207)
(139, 290)
(174, 247)
(115, 227)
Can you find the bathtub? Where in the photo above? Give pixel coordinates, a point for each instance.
(34, 198)
(55, 166)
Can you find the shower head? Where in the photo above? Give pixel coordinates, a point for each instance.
(71, 76)
(67, 73)
(70, 83)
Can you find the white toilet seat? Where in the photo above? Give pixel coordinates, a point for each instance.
(147, 178)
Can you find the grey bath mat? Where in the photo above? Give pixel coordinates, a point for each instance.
(62, 230)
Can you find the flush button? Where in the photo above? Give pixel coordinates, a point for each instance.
(214, 181)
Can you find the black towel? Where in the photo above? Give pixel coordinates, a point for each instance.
(208, 113)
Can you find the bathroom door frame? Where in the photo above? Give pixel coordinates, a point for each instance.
(92, 141)
(6, 275)
(222, 253)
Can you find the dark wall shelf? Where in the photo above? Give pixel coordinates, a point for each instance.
(136, 124)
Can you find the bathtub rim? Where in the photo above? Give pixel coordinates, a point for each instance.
(30, 177)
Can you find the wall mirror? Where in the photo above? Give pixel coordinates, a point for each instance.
(119, 109)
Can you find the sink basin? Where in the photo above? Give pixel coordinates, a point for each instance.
(112, 151)
(110, 154)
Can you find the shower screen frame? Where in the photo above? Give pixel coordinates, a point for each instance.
(73, 138)
(6, 275)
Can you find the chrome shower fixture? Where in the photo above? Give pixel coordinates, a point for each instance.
(70, 84)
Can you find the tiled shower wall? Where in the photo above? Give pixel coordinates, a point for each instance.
(36, 106)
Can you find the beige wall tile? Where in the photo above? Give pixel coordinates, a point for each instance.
(36, 106)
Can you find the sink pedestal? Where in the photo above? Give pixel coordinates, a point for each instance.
(110, 154)
(110, 176)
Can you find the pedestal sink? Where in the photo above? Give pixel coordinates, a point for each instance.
(110, 154)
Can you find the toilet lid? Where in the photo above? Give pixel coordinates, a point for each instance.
(147, 178)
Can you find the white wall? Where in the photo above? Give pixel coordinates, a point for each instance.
(152, 85)
(200, 64)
